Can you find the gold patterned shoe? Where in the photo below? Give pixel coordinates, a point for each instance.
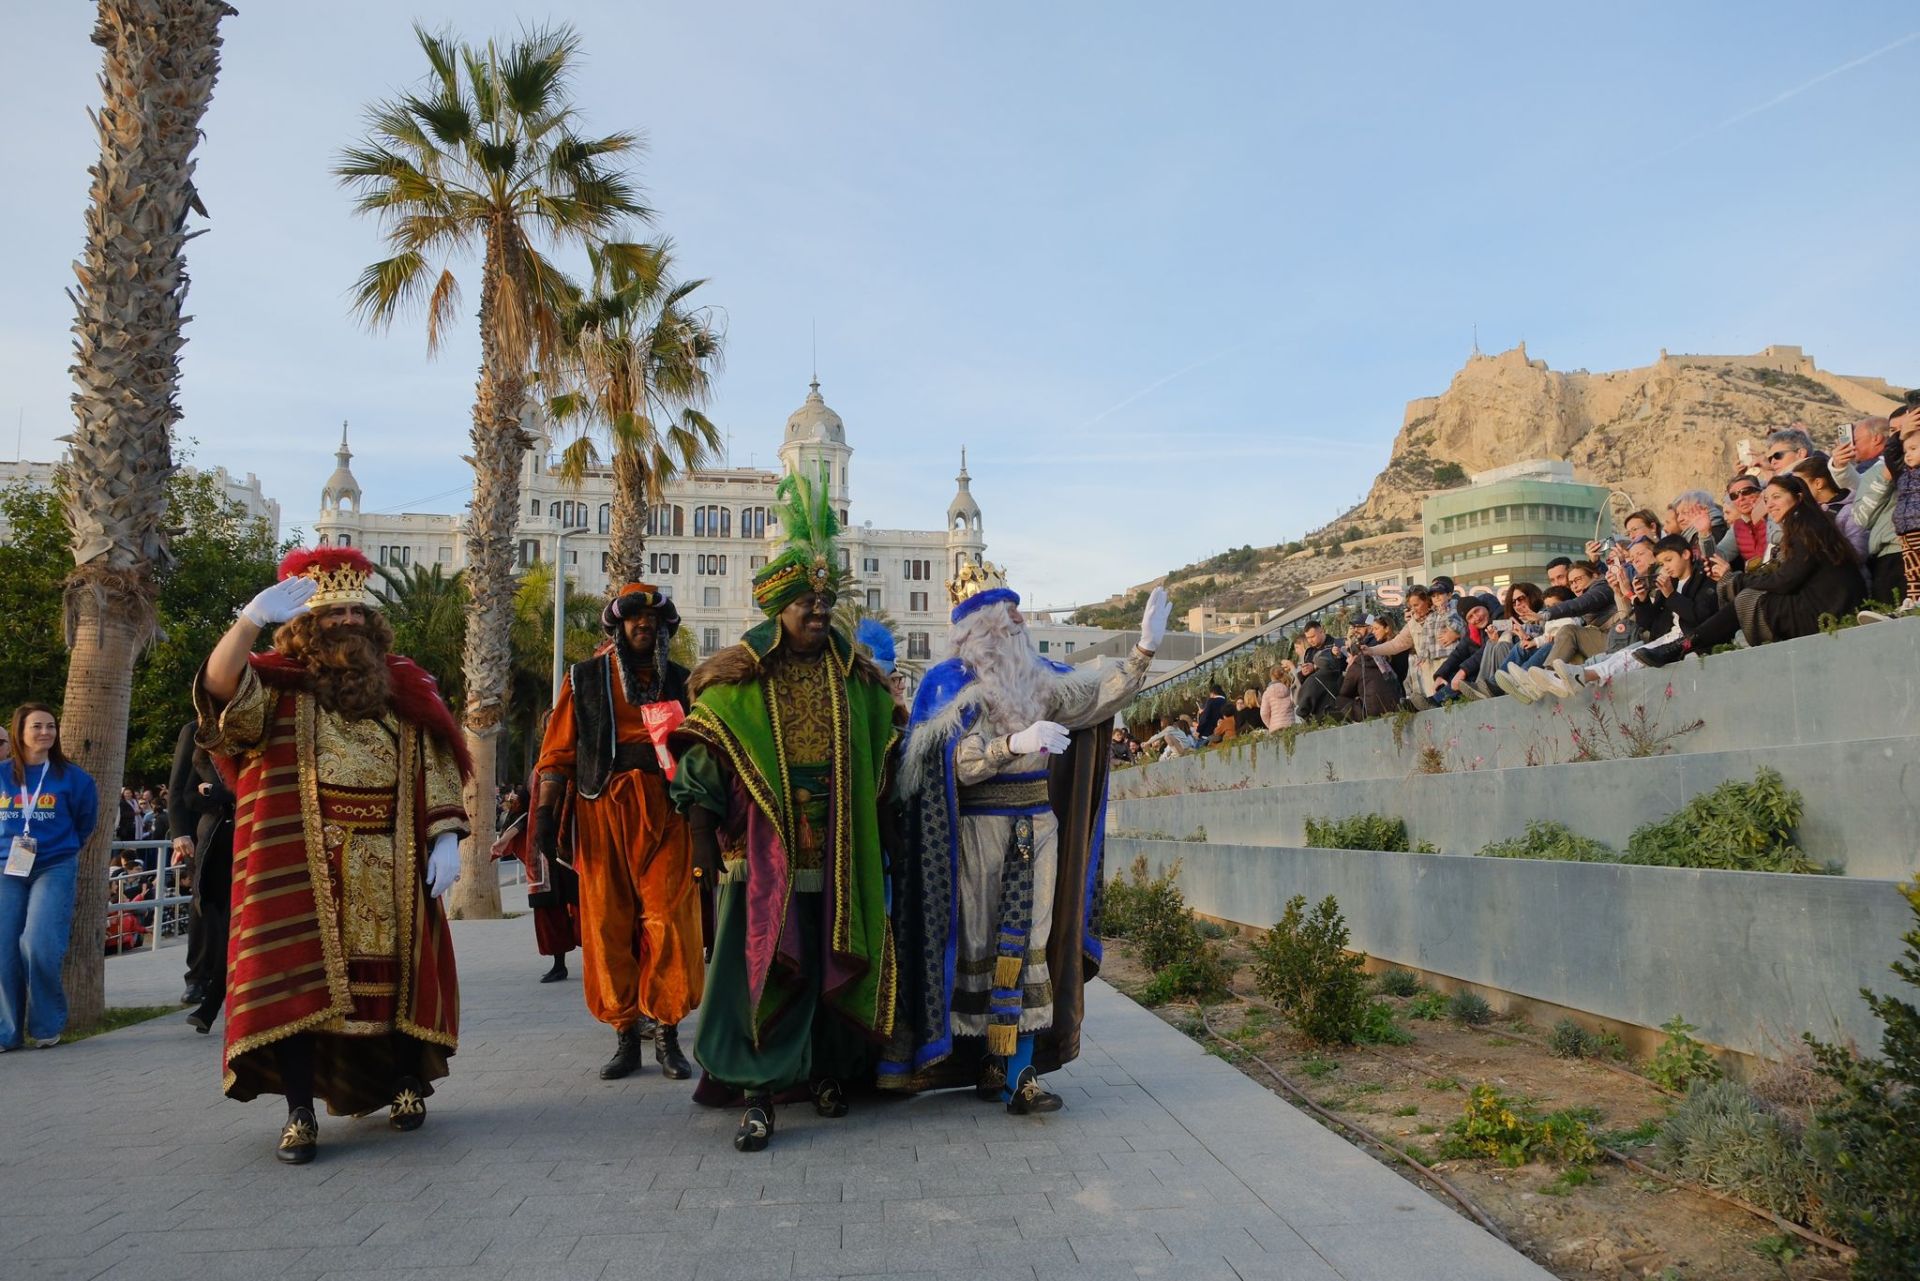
(409, 1109)
(1031, 1098)
(992, 1085)
(300, 1140)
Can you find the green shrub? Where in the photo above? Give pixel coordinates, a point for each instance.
(1680, 1060)
(1360, 832)
(1569, 1040)
(1869, 1147)
(1740, 827)
(1469, 1008)
(1379, 1027)
(1202, 976)
(1302, 966)
(1119, 906)
(1551, 840)
(1512, 1132)
(1397, 982)
(1723, 1137)
(1431, 1006)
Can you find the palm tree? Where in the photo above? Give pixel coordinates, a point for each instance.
(427, 609)
(157, 75)
(486, 158)
(638, 365)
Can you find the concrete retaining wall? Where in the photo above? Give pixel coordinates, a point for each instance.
(1860, 683)
(1862, 802)
(1739, 954)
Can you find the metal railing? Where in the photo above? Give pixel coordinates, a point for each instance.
(166, 908)
(1353, 593)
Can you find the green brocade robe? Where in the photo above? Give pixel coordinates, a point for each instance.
(735, 760)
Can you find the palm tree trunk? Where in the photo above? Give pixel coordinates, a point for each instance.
(499, 443)
(160, 61)
(627, 558)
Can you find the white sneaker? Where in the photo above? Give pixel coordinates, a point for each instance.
(40, 1044)
(1506, 680)
(1548, 682)
(1569, 676)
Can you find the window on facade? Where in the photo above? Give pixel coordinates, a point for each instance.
(710, 597)
(1067, 646)
(606, 518)
(534, 510)
(663, 562)
(1045, 646)
(826, 474)
(916, 570)
(324, 540)
(573, 558)
(444, 555)
(756, 563)
(346, 540)
(753, 522)
(709, 639)
(553, 511)
(873, 599)
(606, 562)
(869, 564)
(699, 522)
(918, 645)
(529, 552)
(916, 602)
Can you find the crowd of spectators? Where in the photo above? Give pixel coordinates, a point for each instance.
(1802, 539)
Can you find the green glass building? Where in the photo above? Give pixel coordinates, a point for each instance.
(1508, 523)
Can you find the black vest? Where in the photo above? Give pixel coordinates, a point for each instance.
(595, 732)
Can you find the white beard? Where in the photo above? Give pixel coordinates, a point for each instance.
(1015, 683)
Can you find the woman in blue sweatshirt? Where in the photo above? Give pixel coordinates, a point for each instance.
(46, 815)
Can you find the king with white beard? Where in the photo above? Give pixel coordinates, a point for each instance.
(1004, 790)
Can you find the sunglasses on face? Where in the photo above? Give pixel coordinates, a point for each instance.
(1737, 494)
(1776, 455)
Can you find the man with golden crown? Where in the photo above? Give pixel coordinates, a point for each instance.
(347, 767)
(782, 773)
(1004, 786)
(639, 907)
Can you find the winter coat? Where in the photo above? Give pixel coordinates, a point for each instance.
(1801, 589)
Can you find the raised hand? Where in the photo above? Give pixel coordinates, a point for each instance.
(285, 600)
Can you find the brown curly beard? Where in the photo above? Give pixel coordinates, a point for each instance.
(347, 665)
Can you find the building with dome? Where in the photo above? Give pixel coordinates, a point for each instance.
(705, 539)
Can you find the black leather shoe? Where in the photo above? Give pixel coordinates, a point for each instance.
(1661, 655)
(205, 1013)
(756, 1125)
(1030, 1097)
(626, 1055)
(558, 972)
(300, 1140)
(992, 1085)
(409, 1108)
(195, 994)
(666, 1052)
(829, 1100)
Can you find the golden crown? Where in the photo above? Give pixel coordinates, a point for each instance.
(339, 575)
(974, 577)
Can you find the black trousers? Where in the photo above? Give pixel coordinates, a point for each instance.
(210, 911)
(1886, 579)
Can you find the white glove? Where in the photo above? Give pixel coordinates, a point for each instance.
(286, 599)
(443, 864)
(1041, 736)
(1153, 620)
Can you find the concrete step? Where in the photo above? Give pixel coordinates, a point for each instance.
(1856, 684)
(1752, 958)
(1862, 802)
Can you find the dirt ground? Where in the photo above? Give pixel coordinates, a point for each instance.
(1618, 1224)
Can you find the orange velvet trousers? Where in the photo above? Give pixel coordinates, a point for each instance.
(639, 911)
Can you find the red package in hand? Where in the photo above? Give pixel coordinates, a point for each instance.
(661, 719)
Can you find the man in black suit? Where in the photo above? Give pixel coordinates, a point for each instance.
(200, 815)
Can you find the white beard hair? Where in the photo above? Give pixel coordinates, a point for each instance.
(1013, 680)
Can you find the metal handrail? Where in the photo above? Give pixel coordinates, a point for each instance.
(1305, 609)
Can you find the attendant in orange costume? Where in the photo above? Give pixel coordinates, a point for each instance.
(639, 907)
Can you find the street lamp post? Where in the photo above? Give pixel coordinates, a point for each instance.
(559, 612)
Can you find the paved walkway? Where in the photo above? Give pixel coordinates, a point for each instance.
(119, 1159)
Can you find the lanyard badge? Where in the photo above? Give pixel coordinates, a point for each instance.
(20, 854)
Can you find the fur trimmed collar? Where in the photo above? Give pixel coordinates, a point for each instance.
(950, 702)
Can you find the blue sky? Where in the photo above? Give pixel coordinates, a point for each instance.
(1169, 272)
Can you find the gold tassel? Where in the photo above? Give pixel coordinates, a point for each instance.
(1001, 1038)
(1006, 971)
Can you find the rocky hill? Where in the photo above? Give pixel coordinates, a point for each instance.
(1650, 433)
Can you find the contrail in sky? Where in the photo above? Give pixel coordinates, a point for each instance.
(1157, 384)
(1794, 92)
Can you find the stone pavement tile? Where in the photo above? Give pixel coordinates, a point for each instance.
(1215, 1269)
(643, 1268)
(1377, 1252)
(1296, 1267)
(232, 1265)
(1207, 1243)
(956, 1208)
(998, 1272)
(879, 1259)
(745, 1265)
(1131, 1246)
